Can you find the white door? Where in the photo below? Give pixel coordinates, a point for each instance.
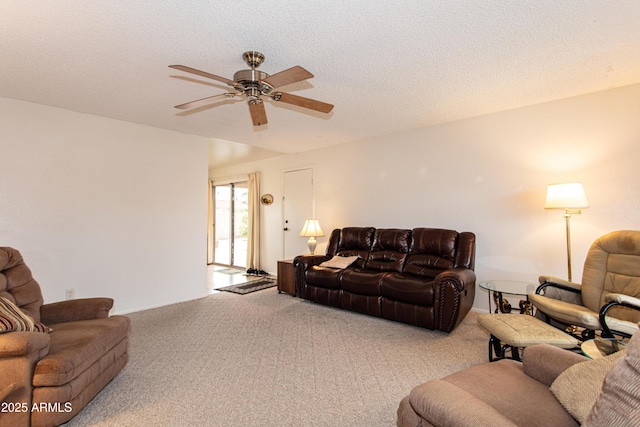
(297, 206)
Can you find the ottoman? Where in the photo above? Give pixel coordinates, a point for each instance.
(517, 331)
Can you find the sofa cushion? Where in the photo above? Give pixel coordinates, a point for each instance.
(323, 277)
(356, 238)
(391, 239)
(12, 319)
(385, 261)
(361, 281)
(390, 247)
(356, 241)
(410, 289)
(75, 346)
(578, 387)
(432, 250)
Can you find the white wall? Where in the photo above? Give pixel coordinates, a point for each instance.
(104, 207)
(487, 175)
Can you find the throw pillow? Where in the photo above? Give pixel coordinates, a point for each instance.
(340, 261)
(619, 402)
(14, 319)
(578, 387)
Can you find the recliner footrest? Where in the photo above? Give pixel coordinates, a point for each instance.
(520, 331)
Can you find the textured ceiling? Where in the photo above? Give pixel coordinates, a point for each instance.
(387, 66)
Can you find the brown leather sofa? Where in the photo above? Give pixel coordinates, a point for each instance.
(47, 378)
(423, 276)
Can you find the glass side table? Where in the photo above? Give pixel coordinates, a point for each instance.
(497, 289)
(601, 347)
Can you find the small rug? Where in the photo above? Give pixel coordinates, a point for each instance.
(248, 287)
(229, 271)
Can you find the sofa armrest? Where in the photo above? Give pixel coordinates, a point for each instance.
(544, 362)
(302, 263)
(75, 309)
(462, 278)
(455, 291)
(307, 261)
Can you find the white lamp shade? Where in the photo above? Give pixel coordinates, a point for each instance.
(311, 229)
(566, 196)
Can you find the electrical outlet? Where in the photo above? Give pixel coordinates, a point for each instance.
(70, 293)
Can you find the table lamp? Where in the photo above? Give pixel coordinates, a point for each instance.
(311, 230)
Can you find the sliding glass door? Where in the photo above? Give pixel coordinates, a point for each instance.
(231, 217)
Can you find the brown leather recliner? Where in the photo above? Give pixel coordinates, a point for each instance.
(47, 378)
(422, 276)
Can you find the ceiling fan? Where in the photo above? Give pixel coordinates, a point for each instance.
(254, 85)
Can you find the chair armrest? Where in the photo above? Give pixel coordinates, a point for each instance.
(19, 353)
(622, 299)
(441, 403)
(559, 283)
(75, 309)
(16, 344)
(544, 362)
(620, 326)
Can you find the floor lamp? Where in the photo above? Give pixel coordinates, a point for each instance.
(571, 198)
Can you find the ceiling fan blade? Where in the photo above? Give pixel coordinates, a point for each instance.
(258, 113)
(203, 101)
(203, 74)
(300, 101)
(286, 77)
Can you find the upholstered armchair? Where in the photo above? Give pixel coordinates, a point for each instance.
(54, 358)
(551, 387)
(611, 274)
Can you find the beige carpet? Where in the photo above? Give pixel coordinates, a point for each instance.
(269, 359)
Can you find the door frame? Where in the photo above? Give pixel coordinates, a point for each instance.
(311, 167)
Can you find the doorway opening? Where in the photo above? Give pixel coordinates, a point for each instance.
(230, 224)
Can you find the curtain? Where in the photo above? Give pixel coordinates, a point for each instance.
(253, 239)
(210, 226)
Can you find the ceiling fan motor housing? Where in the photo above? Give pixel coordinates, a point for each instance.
(253, 78)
